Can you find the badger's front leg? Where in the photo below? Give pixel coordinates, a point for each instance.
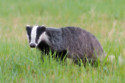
(61, 55)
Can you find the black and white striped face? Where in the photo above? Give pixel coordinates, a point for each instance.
(36, 34)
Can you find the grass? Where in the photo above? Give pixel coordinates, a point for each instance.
(18, 63)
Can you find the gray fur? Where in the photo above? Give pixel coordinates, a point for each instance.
(79, 43)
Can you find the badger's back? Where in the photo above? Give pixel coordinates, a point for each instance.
(81, 44)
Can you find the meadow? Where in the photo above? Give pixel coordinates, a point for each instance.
(21, 64)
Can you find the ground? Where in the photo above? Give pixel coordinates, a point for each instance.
(19, 63)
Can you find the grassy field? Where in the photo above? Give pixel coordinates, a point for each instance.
(20, 64)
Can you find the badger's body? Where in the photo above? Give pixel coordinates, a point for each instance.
(73, 42)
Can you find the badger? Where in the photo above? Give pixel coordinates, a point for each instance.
(69, 42)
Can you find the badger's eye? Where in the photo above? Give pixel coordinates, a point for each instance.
(39, 33)
(29, 34)
(36, 40)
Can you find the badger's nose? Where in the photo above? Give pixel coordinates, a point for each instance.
(32, 45)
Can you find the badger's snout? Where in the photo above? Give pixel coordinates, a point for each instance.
(32, 45)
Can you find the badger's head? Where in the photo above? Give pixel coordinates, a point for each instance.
(36, 34)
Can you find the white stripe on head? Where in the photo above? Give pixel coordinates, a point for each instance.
(44, 37)
(33, 34)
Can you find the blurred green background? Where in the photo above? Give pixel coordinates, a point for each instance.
(103, 18)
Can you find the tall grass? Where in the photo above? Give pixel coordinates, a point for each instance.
(18, 63)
